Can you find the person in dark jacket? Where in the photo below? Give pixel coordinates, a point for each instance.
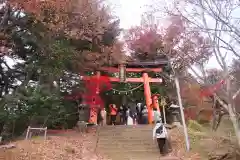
(139, 113)
(144, 118)
(123, 114)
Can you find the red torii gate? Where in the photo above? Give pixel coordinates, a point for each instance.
(144, 68)
(122, 69)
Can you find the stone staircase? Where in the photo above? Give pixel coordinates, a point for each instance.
(127, 143)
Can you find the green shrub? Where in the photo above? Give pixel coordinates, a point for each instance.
(195, 126)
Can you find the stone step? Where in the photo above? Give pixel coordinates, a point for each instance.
(133, 155)
(125, 130)
(116, 146)
(127, 146)
(132, 148)
(123, 127)
(124, 152)
(146, 150)
(116, 130)
(105, 145)
(126, 140)
(113, 128)
(128, 126)
(113, 155)
(131, 132)
(128, 129)
(130, 153)
(126, 137)
(128, 143)
(145, 142)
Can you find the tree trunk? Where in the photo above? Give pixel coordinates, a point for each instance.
(232, 112)
(216, 121)
(233, 117)
(234, 120)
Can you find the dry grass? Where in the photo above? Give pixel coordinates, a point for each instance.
(211, 144)
(66, 147)
(179, 147)
(204, 143)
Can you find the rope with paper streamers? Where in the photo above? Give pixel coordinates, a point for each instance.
(126, 91)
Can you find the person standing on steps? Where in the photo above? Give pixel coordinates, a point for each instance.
(122, 113)
(103, 115)
(161, 135)
(125, 115)
(133, 112)
(139, 113)
(113, 113)
(144, 119)
(129, 118)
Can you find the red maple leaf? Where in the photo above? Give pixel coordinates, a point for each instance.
(210, 90)
(94, 86)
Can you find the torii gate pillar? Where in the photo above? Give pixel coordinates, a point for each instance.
(147, 93)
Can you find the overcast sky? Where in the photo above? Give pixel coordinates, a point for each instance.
(129, 11)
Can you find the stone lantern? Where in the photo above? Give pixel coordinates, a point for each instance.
(175, 111)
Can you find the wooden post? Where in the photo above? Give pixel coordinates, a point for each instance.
(164, 115)
(27, 132)
(163, 104)
(30, 132)
(45, 134)
(147, 93)
(182, 113)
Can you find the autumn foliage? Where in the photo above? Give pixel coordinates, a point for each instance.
(145, 42)
(174, 40)
(87, 24)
